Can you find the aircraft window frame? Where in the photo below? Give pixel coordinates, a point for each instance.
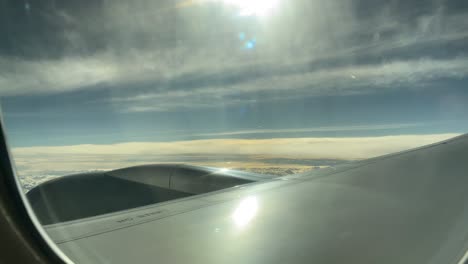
(20, 229)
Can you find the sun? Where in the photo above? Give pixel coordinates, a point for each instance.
(259, 8)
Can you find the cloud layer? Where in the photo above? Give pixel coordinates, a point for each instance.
(91, 157)
(156, 57)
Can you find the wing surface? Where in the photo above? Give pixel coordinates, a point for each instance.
(410, 207)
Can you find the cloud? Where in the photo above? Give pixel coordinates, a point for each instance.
(21, 77)
(154, 57)
(145, 56)
(164, 87)
(342, 81)
(91, 157)
(316, 129)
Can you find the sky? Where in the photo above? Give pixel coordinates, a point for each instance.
(92, 75)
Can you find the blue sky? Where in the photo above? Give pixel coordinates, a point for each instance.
(57, 122)
(156, 71)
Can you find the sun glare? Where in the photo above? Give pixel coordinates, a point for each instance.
(258, 8)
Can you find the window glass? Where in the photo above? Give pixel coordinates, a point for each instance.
(183, 89)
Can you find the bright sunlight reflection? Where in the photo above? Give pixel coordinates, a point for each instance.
(259, 8)
(245, 212)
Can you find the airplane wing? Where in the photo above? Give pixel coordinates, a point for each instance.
(410, 207)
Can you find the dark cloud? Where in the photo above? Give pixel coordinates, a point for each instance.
(49, 28)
